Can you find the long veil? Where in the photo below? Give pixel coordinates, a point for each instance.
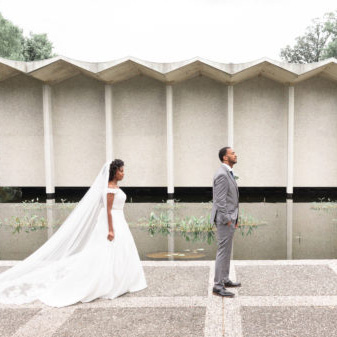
(22, 282)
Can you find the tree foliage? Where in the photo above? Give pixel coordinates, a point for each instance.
(318, 42)
(37, 47)
(15, 46)
(11, 40)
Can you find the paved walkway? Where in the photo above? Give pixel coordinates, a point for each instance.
(278, 298)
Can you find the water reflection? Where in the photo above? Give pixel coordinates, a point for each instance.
(50, 216)
(315, 232)
(170, 215)
(289, 229)
(268, 241)
(174, 230)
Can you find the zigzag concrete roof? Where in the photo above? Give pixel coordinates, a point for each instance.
(60, 68)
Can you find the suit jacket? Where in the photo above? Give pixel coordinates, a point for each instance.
(225, 197)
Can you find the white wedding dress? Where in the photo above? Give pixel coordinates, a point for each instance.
(80, 265)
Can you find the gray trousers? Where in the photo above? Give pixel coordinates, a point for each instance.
(225, 235)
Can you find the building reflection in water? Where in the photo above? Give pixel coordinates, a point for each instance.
(289, 229)
(170, 237)
(50, 216)
(285, 230)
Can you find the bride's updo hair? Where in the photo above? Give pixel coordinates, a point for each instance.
(114, 166)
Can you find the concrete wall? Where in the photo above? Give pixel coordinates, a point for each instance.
(139, 123)
(260, 132)
(79, 130)
(315, 147)
(200, 130)
(139, 131)
(21, 132)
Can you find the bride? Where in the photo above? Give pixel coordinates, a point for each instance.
(92, 255)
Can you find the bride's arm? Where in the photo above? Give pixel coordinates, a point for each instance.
(110, 199)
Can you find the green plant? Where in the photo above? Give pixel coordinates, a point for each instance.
(31, 216)
(324, 205)
(192, 228)
(247, 223)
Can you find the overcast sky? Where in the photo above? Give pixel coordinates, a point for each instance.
(167, 30)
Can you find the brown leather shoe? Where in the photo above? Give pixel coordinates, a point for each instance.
(231, 284)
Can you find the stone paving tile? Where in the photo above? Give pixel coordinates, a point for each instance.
(279, 301)
(175, 281)
(175, 302)
(286, 280)
(289, 321)
(12, 319)
(132, 322)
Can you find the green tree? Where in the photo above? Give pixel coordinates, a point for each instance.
(14, 46)
(331, 26)
(11, 40)
(37, 47)
(317, 43)
(331, 50)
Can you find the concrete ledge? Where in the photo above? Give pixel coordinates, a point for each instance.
(59, 68)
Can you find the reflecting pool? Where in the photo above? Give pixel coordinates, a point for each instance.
(181, 231)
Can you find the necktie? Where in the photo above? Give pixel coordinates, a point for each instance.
(232, 174)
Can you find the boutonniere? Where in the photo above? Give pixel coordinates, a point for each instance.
(236, 177)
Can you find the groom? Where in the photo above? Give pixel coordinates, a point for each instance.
(224, 215)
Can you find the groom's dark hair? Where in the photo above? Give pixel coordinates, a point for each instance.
(223, 152)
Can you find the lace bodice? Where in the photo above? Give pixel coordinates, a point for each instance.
(119, 199)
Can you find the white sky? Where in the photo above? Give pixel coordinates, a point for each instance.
(167, 30)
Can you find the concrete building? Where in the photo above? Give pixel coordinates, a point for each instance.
(61, 119)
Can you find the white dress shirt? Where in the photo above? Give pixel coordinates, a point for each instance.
(229, 168)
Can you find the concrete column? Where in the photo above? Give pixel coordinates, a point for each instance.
(230, 116)
(169, 136)
(109, 122)
(48, 141)
(230, 128)
(290, 170)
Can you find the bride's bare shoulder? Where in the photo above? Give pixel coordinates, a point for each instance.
(112, 189)
(113, 186)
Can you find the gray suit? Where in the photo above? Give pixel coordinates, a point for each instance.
(225, 209)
